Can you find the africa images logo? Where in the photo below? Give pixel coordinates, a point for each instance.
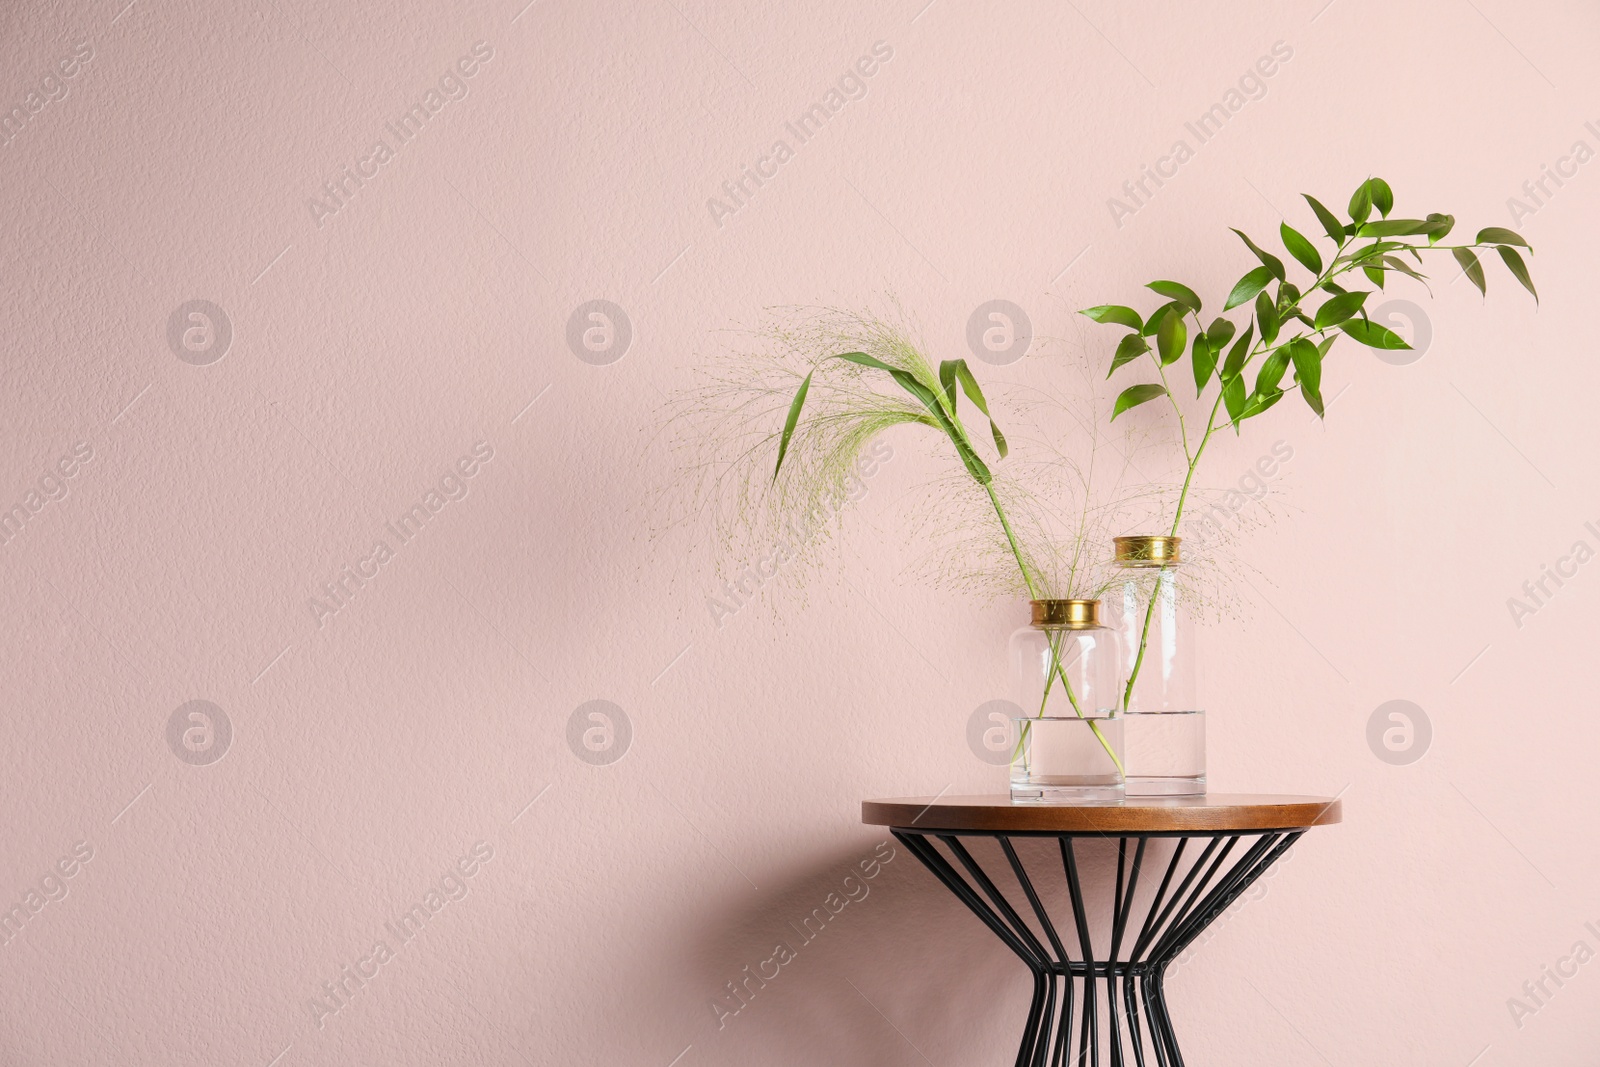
(1251, 86)
(339, 190)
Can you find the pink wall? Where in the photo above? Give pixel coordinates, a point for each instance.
(390, 744)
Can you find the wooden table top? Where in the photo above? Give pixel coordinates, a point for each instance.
(997, 813)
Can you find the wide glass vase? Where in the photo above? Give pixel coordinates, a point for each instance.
(1069, 738)
(1164, 725)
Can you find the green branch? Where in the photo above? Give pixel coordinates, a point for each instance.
(1343, 311)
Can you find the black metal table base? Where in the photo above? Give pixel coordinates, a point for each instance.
(1113, 991)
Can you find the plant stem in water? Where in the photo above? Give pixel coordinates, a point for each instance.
(1149, 611)
(1056, 668)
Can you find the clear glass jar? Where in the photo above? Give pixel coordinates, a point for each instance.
(1064, 677)
(1165, 726)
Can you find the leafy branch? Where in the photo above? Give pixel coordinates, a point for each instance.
(1282, 332)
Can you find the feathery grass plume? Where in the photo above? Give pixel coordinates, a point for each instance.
(732, 426)
(862, 375)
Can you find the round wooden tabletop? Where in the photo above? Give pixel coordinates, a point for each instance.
(1138, 815)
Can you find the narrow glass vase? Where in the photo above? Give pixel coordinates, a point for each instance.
(1064, 676)
(1165, 726)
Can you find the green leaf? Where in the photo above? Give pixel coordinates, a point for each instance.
(1374, 275)
(1153, 323)
(969, 385)
(1376, 248)
(947, 379)
(1135, 395)
(790, 421)
(1499, 235)
(1268, 260)
(1391, 228)
(1372, 335)
(1288, 296)
(1336, 309)
(1241, 352)
(1260, 402)
(1247, 287)
(1519, 269)
(1267, 319)
(1204, 358)
(1170, 338)
(1181, 293)
(1272, 370)
(1219, 333)
(1330, 222)
(1325, 344)
(1304, 252)
(866, 361)
(1217, 336)
(1132, 347)
(1361, 203)
(1439, 226)
(1396, 263)
(1233, 397)
(930, 400)
(1308, 371)
(1382, 195)
(1122, 316)
(1473, 268)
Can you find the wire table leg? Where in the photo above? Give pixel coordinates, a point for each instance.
(1149, 929)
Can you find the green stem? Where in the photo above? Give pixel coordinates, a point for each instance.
(1188, 478)
(1011, 539)
(1183, 429)
(1056, 669)
(1183, 496)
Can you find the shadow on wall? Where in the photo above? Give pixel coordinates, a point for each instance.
(865, 958)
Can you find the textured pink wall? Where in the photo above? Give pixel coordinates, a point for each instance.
(407, 743)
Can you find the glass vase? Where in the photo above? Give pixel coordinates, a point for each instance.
(1064, 677)
(1165, 726)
